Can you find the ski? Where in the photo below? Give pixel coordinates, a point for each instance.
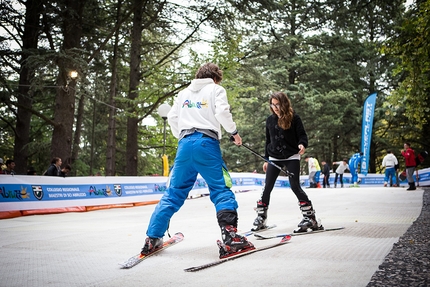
(250, 232)
(284, 240)
(260, 237)
(133, 261)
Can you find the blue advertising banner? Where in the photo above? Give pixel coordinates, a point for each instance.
(366, 131)
(44, 192)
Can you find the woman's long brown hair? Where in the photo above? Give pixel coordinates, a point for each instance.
(286, 110)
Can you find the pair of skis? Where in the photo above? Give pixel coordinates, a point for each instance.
(178, 237)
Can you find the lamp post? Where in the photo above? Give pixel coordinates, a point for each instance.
(163, 110)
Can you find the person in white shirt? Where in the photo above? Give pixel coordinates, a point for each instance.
(314, 168)
(389, 162)
(343, 165)
(195, 119)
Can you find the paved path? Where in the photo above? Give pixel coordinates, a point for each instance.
(83, 249)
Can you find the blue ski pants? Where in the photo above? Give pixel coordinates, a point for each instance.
(197, 153)
(390, 172)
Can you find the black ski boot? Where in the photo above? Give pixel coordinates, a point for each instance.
(260, 221)
(411, 186)
(309, 220)
(233, 243)
(151, 244)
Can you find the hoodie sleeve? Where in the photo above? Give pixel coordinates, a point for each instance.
(222, 110)
(173, 119)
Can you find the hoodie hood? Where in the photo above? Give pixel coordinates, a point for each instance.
(198, 84)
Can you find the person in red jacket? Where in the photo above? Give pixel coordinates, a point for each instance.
(409, 155)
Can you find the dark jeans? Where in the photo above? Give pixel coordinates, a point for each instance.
(326, 180)
(340, 177)
(272, 174)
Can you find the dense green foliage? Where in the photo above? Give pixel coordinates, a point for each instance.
(132, 56)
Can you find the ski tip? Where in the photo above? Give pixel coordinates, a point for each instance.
(286, 238)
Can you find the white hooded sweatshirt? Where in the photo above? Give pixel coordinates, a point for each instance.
(389, 160)
(202, 105)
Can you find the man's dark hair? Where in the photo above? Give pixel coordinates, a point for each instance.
(211, 71)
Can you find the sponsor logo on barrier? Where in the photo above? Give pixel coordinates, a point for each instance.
(160, 188)
(117, 188)
(100, 192)
(19, 194)
(37, 191)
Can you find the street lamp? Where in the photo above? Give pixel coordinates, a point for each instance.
(163, 110)
(73, 75)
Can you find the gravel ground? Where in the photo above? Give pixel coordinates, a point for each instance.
(408, 263)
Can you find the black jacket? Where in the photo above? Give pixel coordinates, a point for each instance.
(282, 143)
(53, 170)
(326, 170)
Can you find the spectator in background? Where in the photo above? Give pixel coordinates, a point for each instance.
(31, 171)
(10, 167)
(389, 162)
(326, 174)
(343, 165)
(354, 165)
(409, 154)
(65, 170)
(54, 168)
(1, 165)
(314, 168)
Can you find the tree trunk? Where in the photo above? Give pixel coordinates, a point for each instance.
(111, 137)
(78, 131)
(132, 121)
(25, 95)
(64, 114)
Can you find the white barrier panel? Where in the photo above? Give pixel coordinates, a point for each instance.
(43, 192)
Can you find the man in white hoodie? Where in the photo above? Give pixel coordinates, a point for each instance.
(195, 119)
(389, 162)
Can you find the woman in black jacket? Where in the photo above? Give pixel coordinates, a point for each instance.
(54, 168)
(286, 141)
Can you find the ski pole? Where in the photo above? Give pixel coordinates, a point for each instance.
(285, 171)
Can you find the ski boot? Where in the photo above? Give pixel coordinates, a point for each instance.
(309, 220)
(411, 186)
(151, 245)
(232, 243)
(260, 221)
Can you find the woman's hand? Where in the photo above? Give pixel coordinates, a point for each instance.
(301, 149)
(265, 166)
